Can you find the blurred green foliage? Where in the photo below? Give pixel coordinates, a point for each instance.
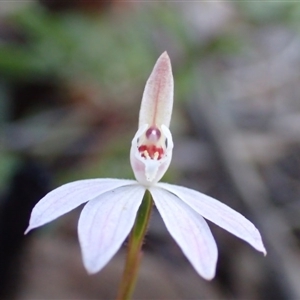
(72, 45)
(266, 12)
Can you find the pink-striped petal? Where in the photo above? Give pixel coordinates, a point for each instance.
(69, 196)
(219, 213)
(189, 230)
(157, 102)
(105, 222)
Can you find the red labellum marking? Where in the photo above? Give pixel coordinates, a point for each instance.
(151, 151)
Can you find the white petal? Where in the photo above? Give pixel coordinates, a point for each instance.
(68, 196)
(189, 230)
(219, 213)
(105, 222)
(157, 102)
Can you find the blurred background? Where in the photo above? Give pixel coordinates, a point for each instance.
(72, 75)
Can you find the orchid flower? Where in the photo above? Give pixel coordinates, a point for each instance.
(112, 204)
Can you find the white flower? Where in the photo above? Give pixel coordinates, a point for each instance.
(112, 204)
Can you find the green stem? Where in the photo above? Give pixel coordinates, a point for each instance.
(134, 249)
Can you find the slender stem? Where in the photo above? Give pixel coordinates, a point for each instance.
(134, 253)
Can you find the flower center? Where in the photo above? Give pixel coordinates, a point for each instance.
(151, 148)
